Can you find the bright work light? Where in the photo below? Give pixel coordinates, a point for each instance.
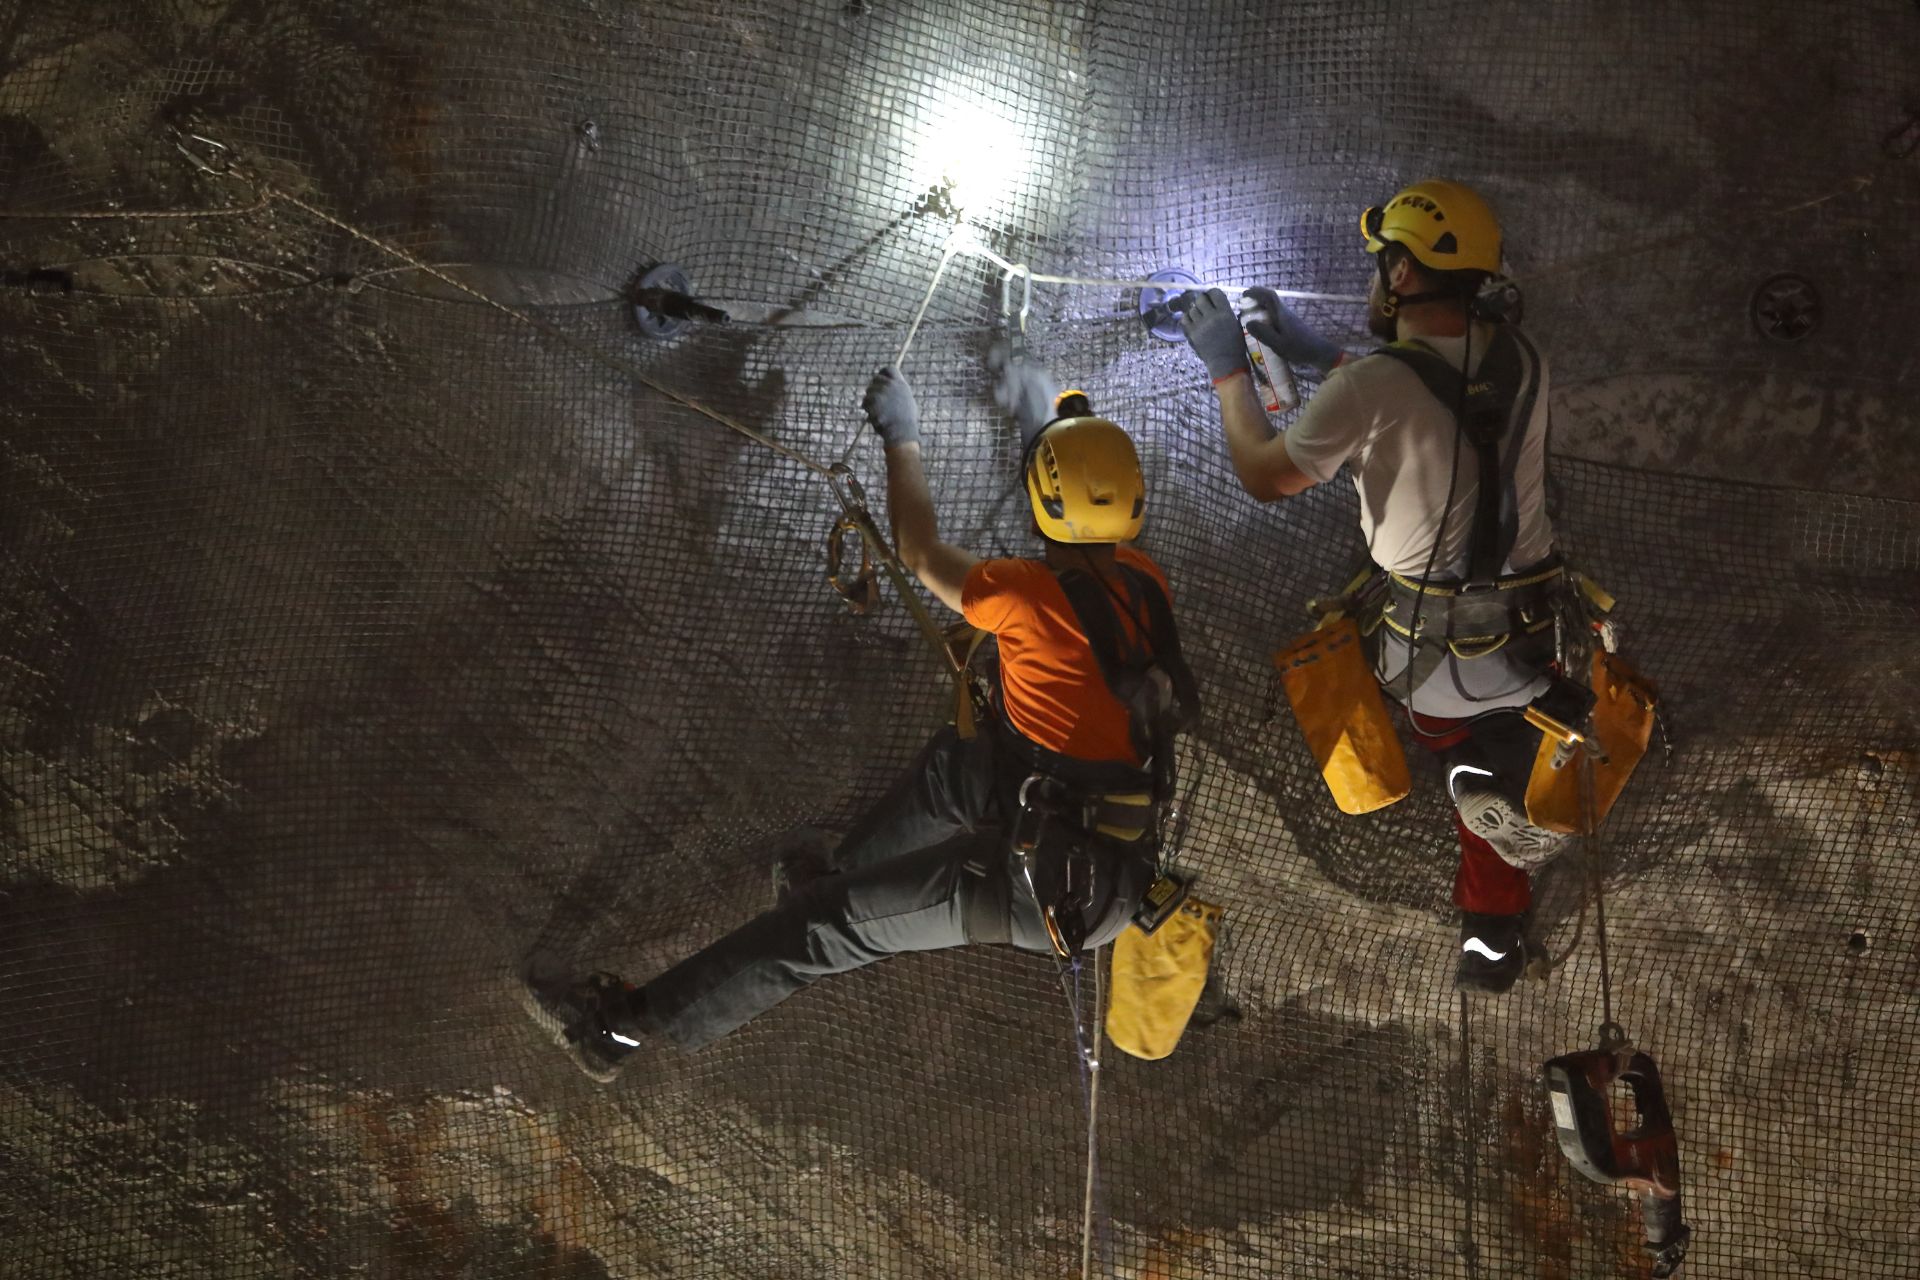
(972, 152)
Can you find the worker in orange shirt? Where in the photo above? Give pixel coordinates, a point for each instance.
(1059, 789)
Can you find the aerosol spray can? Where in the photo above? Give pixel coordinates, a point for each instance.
(1271, 376)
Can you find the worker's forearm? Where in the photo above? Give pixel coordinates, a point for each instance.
(910, 506)
(1248, 429)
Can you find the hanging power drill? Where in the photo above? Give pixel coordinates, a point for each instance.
(1644, 1159)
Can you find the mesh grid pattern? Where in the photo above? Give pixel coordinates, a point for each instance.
(360, 639)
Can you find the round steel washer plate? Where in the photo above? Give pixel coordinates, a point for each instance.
(1786, 308)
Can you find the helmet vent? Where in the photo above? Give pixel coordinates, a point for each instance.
(1446, 244)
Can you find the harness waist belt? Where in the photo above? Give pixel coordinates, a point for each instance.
(1096, 777)
(1472, 623)
(1509, 582)
(1125, 816)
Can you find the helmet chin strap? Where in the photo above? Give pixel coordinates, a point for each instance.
(1393, 302)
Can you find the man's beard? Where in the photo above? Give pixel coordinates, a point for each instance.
(1381, 325)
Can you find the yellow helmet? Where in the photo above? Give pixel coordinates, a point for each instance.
(1445, 225)
(1083, 478)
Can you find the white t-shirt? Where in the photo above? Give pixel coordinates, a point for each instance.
(1377, 416)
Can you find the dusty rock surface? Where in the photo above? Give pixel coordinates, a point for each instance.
(361, 638)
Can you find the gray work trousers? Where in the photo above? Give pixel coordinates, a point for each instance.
(902, 884)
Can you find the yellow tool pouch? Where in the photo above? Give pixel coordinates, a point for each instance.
(1338, 705)
(1622, 721)
(1157, 980)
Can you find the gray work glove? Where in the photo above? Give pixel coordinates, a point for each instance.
(1289, 336)
(1022, 388)
(891, 411)
(1213, 331)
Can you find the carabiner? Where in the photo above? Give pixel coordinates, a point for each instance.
(846, 489)
(1016, 332)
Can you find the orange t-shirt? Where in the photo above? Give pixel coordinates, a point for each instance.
(1054, 691)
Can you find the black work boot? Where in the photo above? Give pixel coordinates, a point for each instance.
(574, 1013)
(1493, 953)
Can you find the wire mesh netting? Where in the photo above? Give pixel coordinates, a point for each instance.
(362, 638)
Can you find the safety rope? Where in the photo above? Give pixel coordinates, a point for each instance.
(1086, 1039)
(853, 501)
(961, 240)
(624, 367)
(218, 160)
(1611, 1034)
(1469, 1140)
(215, 159)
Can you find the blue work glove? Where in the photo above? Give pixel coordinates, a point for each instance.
(1289, 336)
(891, 411)
(1213, 331)
(1022, 388)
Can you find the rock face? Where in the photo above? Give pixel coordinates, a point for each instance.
(363, 638)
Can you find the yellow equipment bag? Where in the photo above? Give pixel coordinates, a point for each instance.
(1622, 725)
(1338, 705)
(1157, 979)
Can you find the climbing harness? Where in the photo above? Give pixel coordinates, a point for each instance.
(1525, 613)
(1069, 841)
(1473, 623)
(1494, 406)
(1150, 677)
(1473, 617)
(1077, 818)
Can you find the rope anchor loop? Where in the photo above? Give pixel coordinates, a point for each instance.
(208, 155)
(861, 590)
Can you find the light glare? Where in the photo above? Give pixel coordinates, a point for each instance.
(972, 151)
